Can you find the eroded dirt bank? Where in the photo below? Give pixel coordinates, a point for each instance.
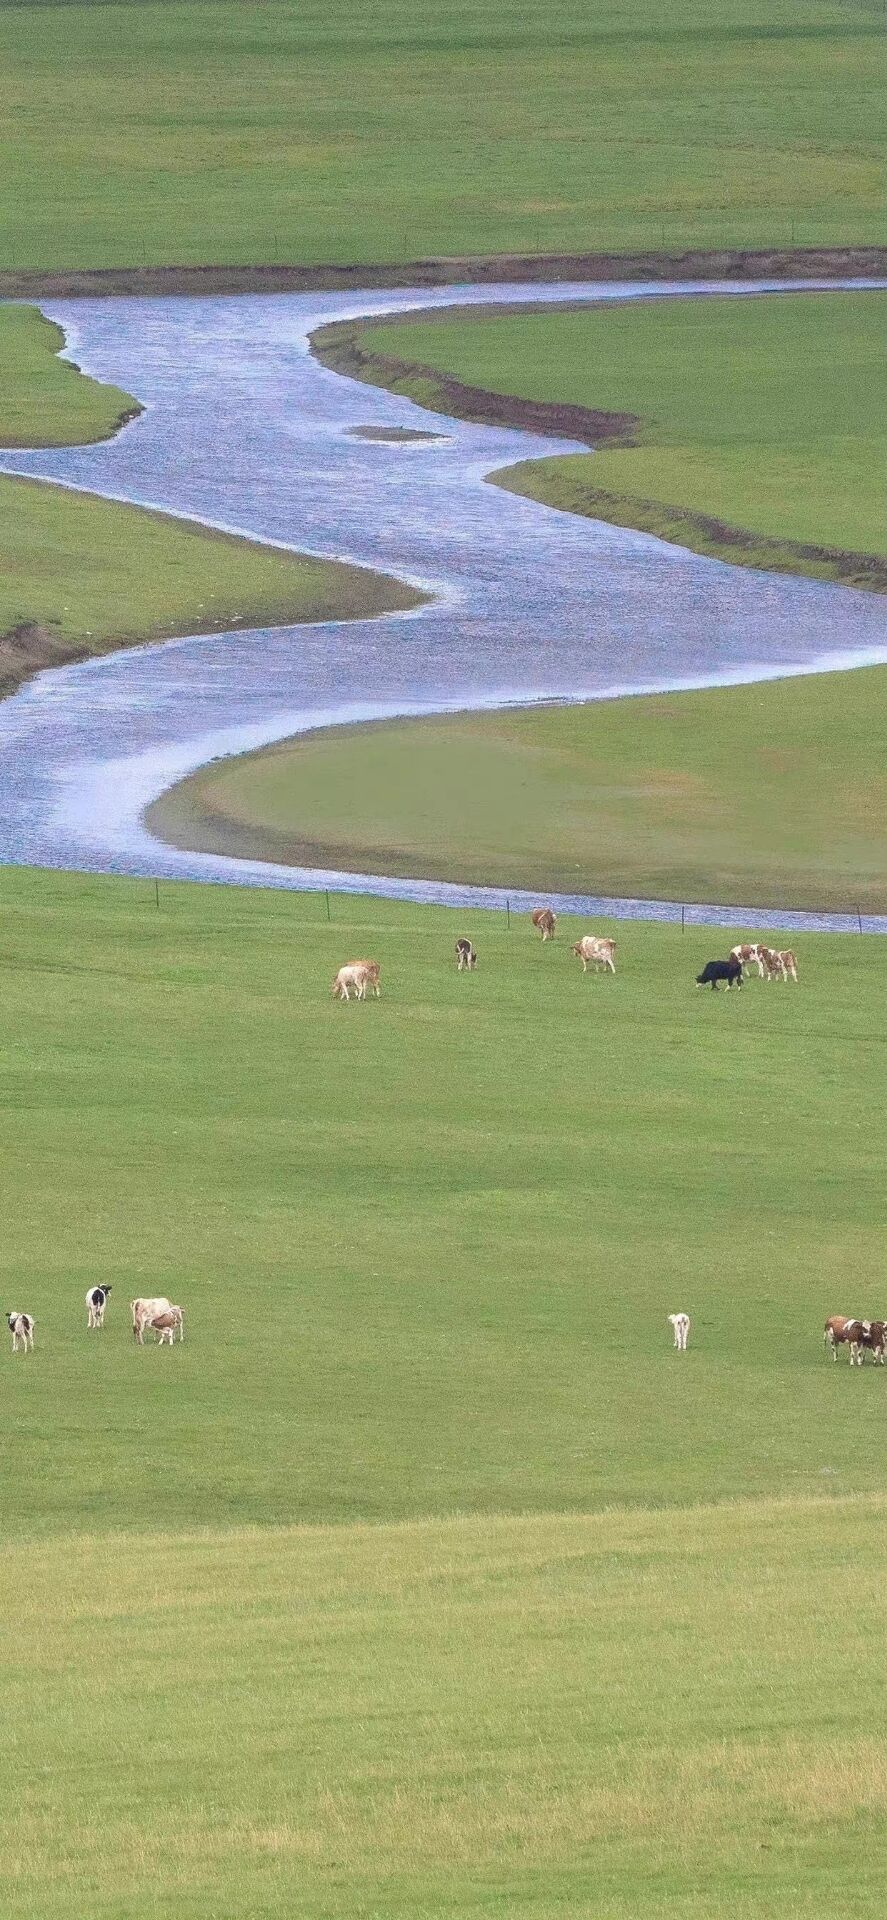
(739, 263)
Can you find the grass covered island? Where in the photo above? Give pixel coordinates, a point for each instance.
(410, 1581)
(80, 575)
(745, 428)
(632, 797)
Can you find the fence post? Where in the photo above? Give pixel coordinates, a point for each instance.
(859, 918)
(157, 893)
(327, 899)
(683, 913)
(508, 916)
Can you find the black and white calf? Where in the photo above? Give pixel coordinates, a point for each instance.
(21, 1326)
(96, 1301)
(715, 970)
(466, 958)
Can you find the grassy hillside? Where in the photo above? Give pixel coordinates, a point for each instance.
(232, 132)
(426, 1247)
(80, 575)
(768, 795)
(756, 415)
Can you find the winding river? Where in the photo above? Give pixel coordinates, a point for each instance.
(244, 430)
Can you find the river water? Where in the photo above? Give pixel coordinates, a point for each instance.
(243, 429)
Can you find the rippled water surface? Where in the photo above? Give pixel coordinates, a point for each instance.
(244, 430)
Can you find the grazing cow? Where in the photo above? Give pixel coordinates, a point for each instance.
(359, 974)
(750, 956)
(167, 1324)
(874, 1338)
(545, 921)
(600, 953)
(142, 1311)
(788, 965)
(466, 958)
(96, 1300)
(21, 1326)
(680, 1324)
(835, 1332)
(865, 1334)
(715, 970)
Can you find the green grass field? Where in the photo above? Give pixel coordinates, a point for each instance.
(246, 133)
(771, 795)
(80, 575)
(404, 1585)
(758, 414)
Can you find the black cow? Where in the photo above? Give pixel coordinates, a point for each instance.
(715, 970)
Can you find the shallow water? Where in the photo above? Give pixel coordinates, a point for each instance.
(244, 430)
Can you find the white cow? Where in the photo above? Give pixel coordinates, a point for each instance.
(680, 1325)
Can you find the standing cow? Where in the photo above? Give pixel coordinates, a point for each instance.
(466, 957)
(680, 1326)
(717, 970)
(594, 952)
(545, 921)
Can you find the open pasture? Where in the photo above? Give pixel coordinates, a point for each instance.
(426, 1246)
(225, 131)
(624, 1716)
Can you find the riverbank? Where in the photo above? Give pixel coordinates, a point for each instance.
(488, 269)
(85, 576)
(632, 797)
(739, 429)
(81, 575)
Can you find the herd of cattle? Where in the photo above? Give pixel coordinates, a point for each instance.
(158, 1316)
(362, 976)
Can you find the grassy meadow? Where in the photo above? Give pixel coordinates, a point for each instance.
(630, 1714)
(230, 132)
(424, 1576)
(631, 797)
(80, 575)
(758, 414)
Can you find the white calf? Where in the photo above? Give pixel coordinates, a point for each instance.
(680, 1324)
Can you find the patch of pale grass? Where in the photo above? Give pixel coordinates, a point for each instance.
(374, 1714)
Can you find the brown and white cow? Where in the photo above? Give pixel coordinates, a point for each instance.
(749, 956)
(865, 1335)
(167, 1324)
(779, 965)
(466, 957)
(835, 1332)
(142, 1311)
(545, 921)
(595, 952)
